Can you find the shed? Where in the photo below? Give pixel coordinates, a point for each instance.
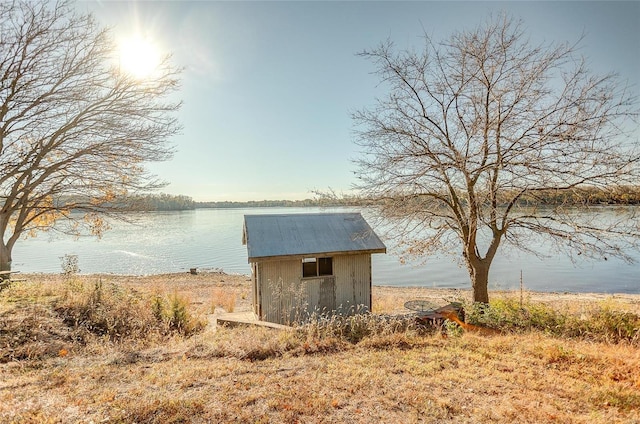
(309, 263)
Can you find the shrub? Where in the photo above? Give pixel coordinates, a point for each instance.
(508, 314)
(120, 313)
(322, 334)
(601, 324)
(247, 343)
(355, 328)
(69, 264)
(605, 324)
(32, 332)
(109, 311)
(172, 313)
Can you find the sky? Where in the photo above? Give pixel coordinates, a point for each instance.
(269, 87)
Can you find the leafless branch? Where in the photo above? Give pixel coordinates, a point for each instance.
(473, 125)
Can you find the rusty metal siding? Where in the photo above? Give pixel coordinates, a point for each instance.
(353, 283)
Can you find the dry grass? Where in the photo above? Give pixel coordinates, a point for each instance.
(223, 298)
(313, 374)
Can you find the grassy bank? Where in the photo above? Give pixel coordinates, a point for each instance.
(141, 349)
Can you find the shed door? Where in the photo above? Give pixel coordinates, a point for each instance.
(327, 298)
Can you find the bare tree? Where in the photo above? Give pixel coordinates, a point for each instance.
(474, 128)
(75, 132)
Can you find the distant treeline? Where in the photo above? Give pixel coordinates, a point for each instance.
(350, 201)
(170, 202)
(160, 202)
(138, 202)
(621, 195)
(585, 196)
(575, 197)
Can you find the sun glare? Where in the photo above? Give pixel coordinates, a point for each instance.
(139, 56)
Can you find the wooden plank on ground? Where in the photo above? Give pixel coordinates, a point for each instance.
(234, 322)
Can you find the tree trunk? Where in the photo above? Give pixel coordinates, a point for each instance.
(479, 273)
(480, 284)
(5, 258)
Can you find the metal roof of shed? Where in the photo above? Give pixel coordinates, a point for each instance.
(271, 236)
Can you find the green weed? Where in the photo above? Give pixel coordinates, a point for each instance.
(172, 312)
(601, 324)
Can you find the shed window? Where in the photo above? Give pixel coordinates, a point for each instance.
(325, 266)
(309, 267)
(315, 267)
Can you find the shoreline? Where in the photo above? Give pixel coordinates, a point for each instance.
(201, 274)
(200, 287)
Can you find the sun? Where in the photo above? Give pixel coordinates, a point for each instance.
(139, 56)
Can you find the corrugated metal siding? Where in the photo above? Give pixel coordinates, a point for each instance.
(281, 293)
(321, 294)
(254, 289)
(353, 283)
(286, 297)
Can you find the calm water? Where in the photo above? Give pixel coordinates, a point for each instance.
(207, 239)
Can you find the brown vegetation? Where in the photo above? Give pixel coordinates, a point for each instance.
(98, 366)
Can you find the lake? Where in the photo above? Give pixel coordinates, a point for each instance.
(211, 239)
